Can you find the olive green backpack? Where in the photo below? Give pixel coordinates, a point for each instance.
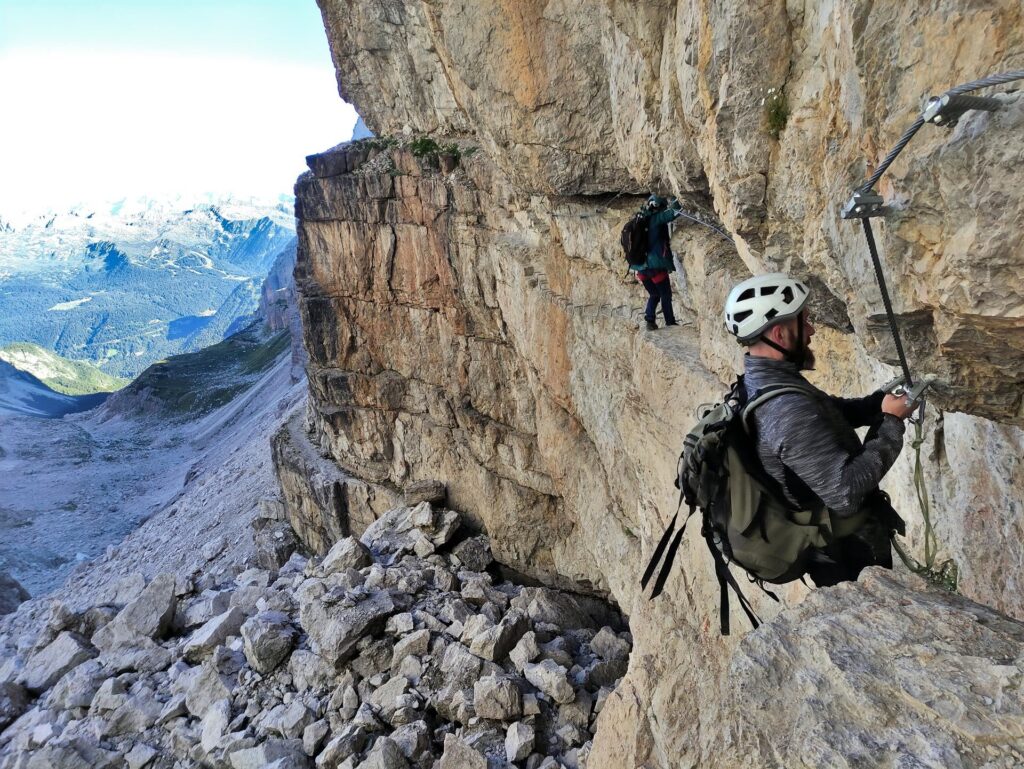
(745, 517)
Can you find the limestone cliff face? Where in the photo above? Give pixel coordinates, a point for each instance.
(474, 325)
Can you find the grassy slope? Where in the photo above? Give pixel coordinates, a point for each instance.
(195, 383)
(66, 376)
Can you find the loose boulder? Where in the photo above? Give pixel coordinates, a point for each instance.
(46, 667)
(12, 594)
(267, 639)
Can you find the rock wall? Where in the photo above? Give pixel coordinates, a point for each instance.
(474, 325)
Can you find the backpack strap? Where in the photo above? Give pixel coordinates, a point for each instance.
(659, 583)
(725, 581)
(766, 394)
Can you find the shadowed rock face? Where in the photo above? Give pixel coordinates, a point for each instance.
(474, 326)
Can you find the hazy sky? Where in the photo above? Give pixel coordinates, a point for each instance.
(101, 99)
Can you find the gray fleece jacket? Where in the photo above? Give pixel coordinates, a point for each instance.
(808, 443)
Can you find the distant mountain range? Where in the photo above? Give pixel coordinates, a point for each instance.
(130, 284)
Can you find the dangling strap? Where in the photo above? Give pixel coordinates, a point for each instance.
(660, 550)
(659, 584)
(725, 581)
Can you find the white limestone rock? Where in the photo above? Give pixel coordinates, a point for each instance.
(519, 740)
(525, 651)
(268, 638)
(212, 634)
(413, 739)
(207, 687)
(551, 678)
(347, 743)
(499, 699)
(77, 688)
(609, 646)
(310, 671)
(496, 642)
(415, 644)
(458, 755)
(45, 667)
(385, 754)
(313, 736)
(203, 607)
(400, 624)
(111, 695)
(334, 631)
(347, 553)
(266, 753)
(140, 755)
(214, 724)
(149, 615)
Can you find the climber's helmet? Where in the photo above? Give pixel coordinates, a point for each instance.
(656, 203)
(762, 301)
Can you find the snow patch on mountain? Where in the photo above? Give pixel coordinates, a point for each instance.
(65, 306)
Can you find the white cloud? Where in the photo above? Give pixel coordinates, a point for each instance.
(88, 126)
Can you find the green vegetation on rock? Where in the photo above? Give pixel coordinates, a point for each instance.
(198, 382)
(70, 377)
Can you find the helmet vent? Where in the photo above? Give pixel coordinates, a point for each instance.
(769, 290)
(742, 315)
(748, 294)
(771, 314)
(787, 294)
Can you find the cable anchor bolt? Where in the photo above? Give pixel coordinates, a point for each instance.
(946, 110)
(864, 205)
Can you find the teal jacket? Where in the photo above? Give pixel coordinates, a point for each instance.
(659, 255)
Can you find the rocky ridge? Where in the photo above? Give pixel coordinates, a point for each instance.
(396, 650)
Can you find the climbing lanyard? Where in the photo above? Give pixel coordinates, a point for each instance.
(865, 204)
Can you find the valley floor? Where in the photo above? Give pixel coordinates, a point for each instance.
(70, 489)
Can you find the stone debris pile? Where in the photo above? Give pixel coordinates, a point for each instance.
(399, 649)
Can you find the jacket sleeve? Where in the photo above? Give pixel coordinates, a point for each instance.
(861, 412)
(664, 217)
(801, 437)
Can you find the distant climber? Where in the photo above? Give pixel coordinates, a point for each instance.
(807, 441)
(653, 271)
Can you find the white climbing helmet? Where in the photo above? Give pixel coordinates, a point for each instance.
(761, 301)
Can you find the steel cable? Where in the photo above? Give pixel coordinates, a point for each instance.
(996, 79)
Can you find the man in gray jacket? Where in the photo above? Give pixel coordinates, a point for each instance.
(808, 442)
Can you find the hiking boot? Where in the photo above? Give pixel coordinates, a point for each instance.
(672, 323)
(652, 326)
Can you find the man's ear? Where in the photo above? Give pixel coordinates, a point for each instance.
(775, 333)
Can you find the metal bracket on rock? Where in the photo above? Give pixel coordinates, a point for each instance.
(864, 205)
(946, 110)
(913, 392)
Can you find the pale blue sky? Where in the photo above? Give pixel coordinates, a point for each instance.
(107, 98)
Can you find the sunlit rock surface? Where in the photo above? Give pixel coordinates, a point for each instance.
(473, 325)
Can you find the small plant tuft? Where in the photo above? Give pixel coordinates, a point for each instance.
(381, 142)
(776, 111)
(423, 146)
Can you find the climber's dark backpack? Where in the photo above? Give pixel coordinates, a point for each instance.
(634, 238)
(745, 517)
